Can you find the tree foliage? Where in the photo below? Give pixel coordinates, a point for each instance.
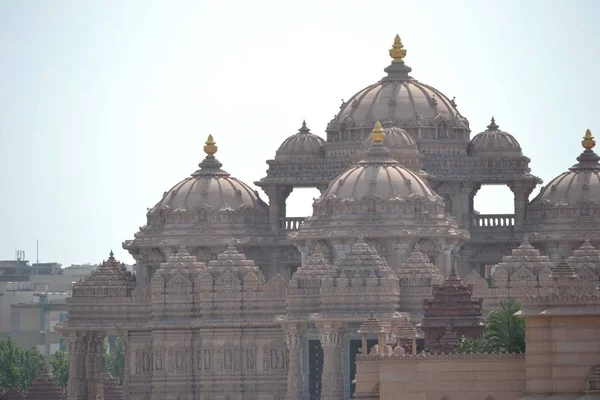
(60, 367)
(503, 333)
(117, 363)
(19, 366)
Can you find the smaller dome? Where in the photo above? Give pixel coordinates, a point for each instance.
(210, 188)
(401, 146)
(396, 139)
(494, 141)
(579, 185)
(303, 144)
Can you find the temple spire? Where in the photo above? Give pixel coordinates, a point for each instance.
(210, 146)
(588, 141)
(588, 160)
(377, 134)
(304, 128)
(493, 126)
(210, 166)
(397, 70)
(397, 52)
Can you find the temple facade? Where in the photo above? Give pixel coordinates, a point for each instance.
(231, 299)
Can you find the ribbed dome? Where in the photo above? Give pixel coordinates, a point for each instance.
(395, 139)
(397, 98)
(494, 141)
(380, 175)
(210, 188)
(580, 184)
(401, 145)
(303, 144)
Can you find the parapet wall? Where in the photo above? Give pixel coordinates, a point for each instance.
(442, 376)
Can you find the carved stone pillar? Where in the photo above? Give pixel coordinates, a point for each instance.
(277, 206)
(446, 258)
(332, 380)
(462, 203)
(521, 199)
(127, 368)
(77, 385)
(293, 340)
(93, 365)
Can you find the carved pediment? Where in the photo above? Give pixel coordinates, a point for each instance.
(179, 283)
(227, 280)
(523, 276)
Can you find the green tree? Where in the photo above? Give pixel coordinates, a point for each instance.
(114, 362)
(473, 346)
(60, 367)
(117, 366)
(504, 332)
(18, 366)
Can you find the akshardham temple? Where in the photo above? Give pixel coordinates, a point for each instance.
(232, 299)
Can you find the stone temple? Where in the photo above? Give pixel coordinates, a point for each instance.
(233, 300)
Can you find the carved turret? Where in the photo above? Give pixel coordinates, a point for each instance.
(45, 387)
(452, 304)
(112, 390)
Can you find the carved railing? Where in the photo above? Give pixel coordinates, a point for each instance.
(290, 223)
(493, 221)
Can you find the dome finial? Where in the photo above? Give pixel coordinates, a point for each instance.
(210, 146)
(304, 128)
(588, 141)
(377, 134)
(493, 126)
(397, 52)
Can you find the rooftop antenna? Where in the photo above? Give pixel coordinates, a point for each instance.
(37, 252)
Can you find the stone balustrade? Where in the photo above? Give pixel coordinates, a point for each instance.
(493, 220)
(290, 223)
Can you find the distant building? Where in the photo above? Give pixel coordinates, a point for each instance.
(32, 323)
(32, 301)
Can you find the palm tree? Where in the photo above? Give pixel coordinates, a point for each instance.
(505, 332)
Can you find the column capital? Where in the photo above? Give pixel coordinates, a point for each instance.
(332, 337)
(447, 248)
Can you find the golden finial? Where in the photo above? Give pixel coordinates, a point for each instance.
(210, 146)
(588, 141)
(377, 134)
(397, 52)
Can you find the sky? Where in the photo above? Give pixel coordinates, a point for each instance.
(104, 105)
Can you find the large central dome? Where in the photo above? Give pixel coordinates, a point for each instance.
(398, 100)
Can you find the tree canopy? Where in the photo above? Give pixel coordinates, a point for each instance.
(19, 366)
(504, 332)
(60, 367)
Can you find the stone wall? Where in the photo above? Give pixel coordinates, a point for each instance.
(435, 377)
(561, 352)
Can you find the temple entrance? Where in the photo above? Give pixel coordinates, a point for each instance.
(355, 345)
(315, 369)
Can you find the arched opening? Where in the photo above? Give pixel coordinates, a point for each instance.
(494, 206)
(300, 201)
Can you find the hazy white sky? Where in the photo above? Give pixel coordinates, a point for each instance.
(104, 105)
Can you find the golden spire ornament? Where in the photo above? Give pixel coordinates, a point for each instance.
(397, 52)
(588, 141)
(377, 134)
(210, 146)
